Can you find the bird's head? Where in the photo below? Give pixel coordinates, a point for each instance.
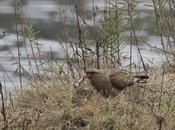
(91, 72)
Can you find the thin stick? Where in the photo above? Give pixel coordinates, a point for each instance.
(80, 37)
(3, 105)
(134, 33)
(17, 38)
(97, 46)
(161, 90)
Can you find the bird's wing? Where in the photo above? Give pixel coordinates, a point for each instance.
(120, 79)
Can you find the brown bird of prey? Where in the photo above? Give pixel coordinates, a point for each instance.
(110, 82)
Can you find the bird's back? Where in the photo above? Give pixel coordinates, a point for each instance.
(120, 79)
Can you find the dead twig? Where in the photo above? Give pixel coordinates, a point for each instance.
(3, 105)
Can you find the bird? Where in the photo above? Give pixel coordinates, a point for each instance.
(110, 82)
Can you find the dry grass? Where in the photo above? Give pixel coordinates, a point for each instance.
(57, 105)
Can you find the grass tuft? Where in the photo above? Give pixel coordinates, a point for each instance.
(58, 105)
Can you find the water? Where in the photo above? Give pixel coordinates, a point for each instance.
(46, 19)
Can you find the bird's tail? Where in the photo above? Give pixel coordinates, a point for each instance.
(141, 77)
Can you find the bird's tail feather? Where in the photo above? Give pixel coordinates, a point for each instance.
(141, 77)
